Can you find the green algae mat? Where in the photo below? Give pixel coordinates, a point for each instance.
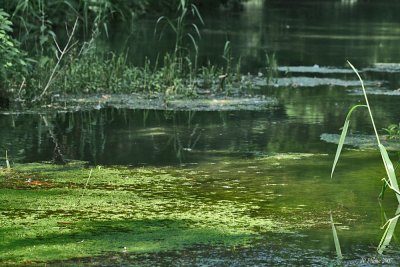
(52, 214)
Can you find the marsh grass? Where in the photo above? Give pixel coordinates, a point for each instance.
(83, 68)
(391, 180)
(182, 29)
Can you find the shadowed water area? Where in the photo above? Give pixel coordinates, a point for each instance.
(218, 184)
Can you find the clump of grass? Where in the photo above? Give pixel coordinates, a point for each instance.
(391, 180)
(180, 62)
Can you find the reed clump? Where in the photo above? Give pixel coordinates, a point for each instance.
(391, 180)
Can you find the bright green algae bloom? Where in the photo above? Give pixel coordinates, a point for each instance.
(51, 212)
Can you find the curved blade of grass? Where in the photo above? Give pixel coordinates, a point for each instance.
(196, 11)
(366, 101)
(389, 170)
(336, 240)
(343, 136)
(197, 30)
(195, 46)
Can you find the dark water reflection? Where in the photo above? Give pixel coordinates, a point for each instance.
(300, 33)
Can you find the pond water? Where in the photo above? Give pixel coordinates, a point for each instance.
(300, 33)
(267, 165)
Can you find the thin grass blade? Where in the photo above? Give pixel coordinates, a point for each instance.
(336, 240)
(343, 137)
(382, 194)
(366, 102)
(388, 234)
(197, 30)
(196, 10)
(389, 170)
(196, 47)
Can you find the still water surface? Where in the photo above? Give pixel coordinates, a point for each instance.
(230, 146)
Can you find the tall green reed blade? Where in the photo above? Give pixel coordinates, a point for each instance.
(336, 240)
(389, 232)
(392, 183)
(385, 157)
(390, 172)
(343, 136)
(366, 102)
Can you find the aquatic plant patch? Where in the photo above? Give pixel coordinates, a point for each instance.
(48, 214)
(52, 213)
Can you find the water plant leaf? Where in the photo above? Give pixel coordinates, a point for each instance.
(390, 171)
(196, 11)
(384, 186)
(336, 240)
(343, 136)
(197, 30)
(366, 101)
(194, 42)
(389, 232)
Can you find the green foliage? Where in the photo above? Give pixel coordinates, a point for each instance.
(79, 67)
(12, 62)
(393, 130)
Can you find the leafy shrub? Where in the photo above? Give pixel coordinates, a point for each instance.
(12, 63)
